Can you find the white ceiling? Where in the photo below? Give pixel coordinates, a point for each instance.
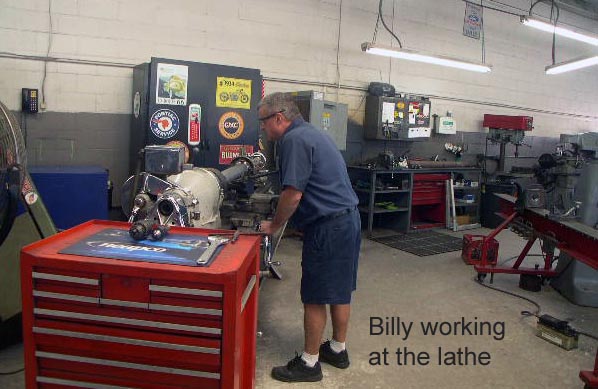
(586, 8)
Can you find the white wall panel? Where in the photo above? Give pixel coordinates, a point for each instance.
(295, 39)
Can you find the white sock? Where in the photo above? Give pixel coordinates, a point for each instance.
(309, 359)
(337, 347)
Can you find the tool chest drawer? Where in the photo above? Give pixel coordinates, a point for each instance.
(428, 200)
(127, 355)
(95, 322)
(429, 189)
(434, 177)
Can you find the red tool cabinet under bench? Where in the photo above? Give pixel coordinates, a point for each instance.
(92, 321)
(428, 200)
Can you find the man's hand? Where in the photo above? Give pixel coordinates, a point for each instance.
(287, 204)
(267, 228)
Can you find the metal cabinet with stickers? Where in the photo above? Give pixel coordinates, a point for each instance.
(209, 109)
(397, 118)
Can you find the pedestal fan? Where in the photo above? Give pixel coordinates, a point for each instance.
(16, 230)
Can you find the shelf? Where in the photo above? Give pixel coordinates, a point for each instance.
(461, 227)
(460, 210)
(383, 190)
(419, 206)
(464, 204)
(423, 225)
(377, 210)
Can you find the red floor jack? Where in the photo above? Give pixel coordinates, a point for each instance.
(532, 223)
(527, 218)
(482, 251)
(590, 378)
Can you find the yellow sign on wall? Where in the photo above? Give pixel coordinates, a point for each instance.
(233, 93)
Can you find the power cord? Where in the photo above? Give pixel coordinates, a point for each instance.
(524, 313)
(587, 335)
(528, 313)
(517, 256)
(556, 18)
(533, 5)
(12, 372)
(386, 26)
(376, 29)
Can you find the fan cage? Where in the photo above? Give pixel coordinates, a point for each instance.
(12, 153)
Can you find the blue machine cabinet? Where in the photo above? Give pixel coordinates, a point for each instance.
(72, 194)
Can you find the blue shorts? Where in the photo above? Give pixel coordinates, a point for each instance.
(329, 259)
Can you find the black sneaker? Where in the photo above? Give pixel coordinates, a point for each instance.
(297, 371)
(340, 360)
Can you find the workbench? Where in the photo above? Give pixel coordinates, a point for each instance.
(407, 199)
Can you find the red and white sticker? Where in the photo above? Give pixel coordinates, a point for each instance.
(194, 125)
(230, 152)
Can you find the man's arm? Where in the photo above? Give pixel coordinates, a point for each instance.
(287, 204)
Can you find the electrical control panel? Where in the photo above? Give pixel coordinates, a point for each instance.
(29, 101)
(327, 116)
(446, 125)
(397, 118)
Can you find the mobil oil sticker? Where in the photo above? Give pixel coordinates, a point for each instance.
(194, 125)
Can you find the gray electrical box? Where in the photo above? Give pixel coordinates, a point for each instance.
(397, 118)
(163, 159)
(587, 141)
(325, 115)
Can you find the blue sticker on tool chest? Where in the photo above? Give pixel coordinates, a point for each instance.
(175, 249)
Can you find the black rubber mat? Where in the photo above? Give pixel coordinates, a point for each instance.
(422, 243)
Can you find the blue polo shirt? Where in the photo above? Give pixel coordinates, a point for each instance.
(311, 163)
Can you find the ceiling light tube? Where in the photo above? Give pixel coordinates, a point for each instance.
(564, 32)
(411, 55)
(574, 64)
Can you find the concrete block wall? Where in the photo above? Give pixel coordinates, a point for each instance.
(292, 42)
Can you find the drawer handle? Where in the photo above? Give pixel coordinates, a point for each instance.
(58, 277)
(129, 304)
(247, 292)
(118, 339)
(127, 365)
(68, 297)
(194, 292)
(179, 308)
(122, 320)
(78, 384)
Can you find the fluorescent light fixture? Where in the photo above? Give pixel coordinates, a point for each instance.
(394, 52)
(549, 27)
(574, 64)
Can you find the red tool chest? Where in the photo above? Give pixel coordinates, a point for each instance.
(428, 200)
(102, 322)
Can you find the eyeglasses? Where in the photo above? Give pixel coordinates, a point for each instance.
(263, 120)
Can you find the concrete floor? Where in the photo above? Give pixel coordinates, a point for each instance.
(416, 289)
(422, 289)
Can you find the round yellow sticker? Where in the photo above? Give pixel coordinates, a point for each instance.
(231, 125)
